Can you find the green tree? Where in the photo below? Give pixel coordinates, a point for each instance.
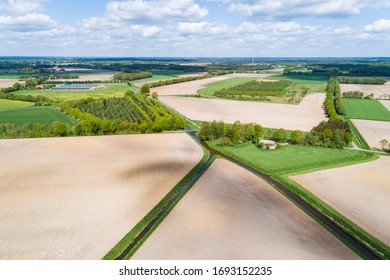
(280, 135)
(145, 89)
(384, 143)
(297, 137)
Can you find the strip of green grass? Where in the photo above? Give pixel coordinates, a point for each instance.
(366, 109)
(373, 244)
(357, 137)
(213, 87)
(110, 90)
(44, 115)
(290, 158)
(8, 105)
(131, 236)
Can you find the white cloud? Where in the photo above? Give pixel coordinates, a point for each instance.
(301, 8)
(28, 22)
(203, 27)
(156, 10)
(20, 6)
(381, 25)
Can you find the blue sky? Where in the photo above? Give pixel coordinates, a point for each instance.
(187, 28)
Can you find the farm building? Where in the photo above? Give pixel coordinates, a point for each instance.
(71, 86)
(269, 143)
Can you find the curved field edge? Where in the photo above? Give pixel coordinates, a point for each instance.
(374, 245)
(370, 242)
(128, 239)
(359, 139)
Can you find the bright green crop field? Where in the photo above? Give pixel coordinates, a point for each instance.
(291, 158)
(110, 90)
(8, 105)
(213, 87)
(44, 115)
(366, 109)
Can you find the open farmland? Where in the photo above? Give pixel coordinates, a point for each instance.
(4, 83)
(232, 214)
(315, 83)
(373, 131)
(110, 90)
(44, 115)
(104, 77)
(378, 90)
(8, 105)
(386, 103)
(366, 109)
(193, 86)
(160, 76)
(303, 116)
(75, 198)
(359, 192)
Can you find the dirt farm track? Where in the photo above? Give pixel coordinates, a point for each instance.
(232, 214)
(75, 198)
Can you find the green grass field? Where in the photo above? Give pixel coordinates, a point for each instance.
(8, 105)
(111, 90)
(291, 158)
(213, 87)
(366, 109)
(315, 83)
(44, 115)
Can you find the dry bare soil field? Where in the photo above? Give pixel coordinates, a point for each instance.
(373, 131)
(303, 116)
(232, 214)
(91, 77)
(359, 192)
(75, 198)
(4, 83)
(193, 86)
(386, 103)
(377, 90)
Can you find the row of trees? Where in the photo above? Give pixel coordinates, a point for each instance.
(187, 79)
(333, 102)
(365, 80)
(330, 134)
(35, 130)
(128, 77)
(39, 100)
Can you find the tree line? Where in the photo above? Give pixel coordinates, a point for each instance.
(128, 77)
(365, 81)
(333, 102)
(329, 134)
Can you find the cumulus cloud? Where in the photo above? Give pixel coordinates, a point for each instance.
(203, 27)
(20, 6)
(381, 25)
(156, 10)
(301, 8)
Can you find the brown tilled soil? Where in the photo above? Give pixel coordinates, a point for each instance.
(75, 198)
(359, 192)
(232, 214)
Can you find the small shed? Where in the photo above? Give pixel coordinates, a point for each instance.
(269, 143)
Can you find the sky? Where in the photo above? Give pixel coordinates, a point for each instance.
(195, 28)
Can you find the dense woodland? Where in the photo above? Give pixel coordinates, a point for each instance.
(134, 113)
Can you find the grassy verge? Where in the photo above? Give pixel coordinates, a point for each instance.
(8, 105)
(357, 137)
(290, 160)
(373, 244)
(131, 236)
